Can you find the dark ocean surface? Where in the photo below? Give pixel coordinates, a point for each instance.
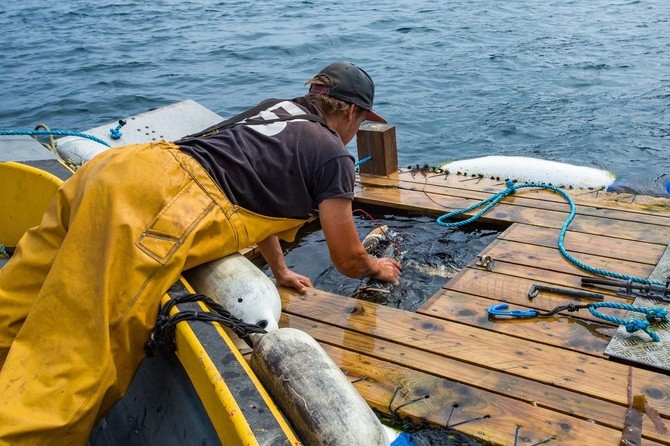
(585, 82)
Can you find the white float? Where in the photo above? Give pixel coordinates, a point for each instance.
(241, 288)
(167, 123)
(526, 169)
(323, 406)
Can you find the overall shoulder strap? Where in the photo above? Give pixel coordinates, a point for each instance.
(238, 119)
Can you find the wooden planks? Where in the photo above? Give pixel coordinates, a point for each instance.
(522, 358)
(503, 286)
(506, 213)
(512, 381)
(481, 371)
(524, 255)
(589, 336)
(652, 209)
(593, 244)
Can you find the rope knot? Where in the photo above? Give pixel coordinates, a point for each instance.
(510, 186)
(657, 314)
(116, 131)
(573, 307)
(636, 324)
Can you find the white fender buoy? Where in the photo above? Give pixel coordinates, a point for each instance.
(323, 406)
(241, 288)
(523, 168)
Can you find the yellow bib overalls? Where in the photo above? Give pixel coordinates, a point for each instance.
(80, 296)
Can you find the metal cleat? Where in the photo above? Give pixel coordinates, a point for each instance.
(485, 261)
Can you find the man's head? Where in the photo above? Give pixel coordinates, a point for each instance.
(345, 82)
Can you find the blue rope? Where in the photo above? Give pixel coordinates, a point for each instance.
(512, 188)
(116, 131)
(655, 314)
(52, 132)
(364, 160)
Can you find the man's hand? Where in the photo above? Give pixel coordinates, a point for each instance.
(294, 280)
(346, 251)
(388, 270)
(271, 251)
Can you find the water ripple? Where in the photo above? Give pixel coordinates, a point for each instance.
(583, 82)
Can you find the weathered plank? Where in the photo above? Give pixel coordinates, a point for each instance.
(508, 400)
(582, 197)
(550, 258)
(486, 416)
(585, 336)
(577, 242)
(653, 210)
(506, 212)
(509, 283)
(579, 373)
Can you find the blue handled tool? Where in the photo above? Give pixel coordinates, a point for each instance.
(652, 315)
(500, 310)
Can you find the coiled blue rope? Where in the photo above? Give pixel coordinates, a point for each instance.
(491, 201)
(52, 132)
(655, 314)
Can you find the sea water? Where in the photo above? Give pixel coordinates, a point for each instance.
(429, 257)
(584, 82)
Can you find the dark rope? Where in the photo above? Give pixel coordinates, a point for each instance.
(163, 333)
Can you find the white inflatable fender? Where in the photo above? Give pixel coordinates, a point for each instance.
(526, 169)
(314, 394)
(241, 288)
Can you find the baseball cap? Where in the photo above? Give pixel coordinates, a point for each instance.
(349, 83)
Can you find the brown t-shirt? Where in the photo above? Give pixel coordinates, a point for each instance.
(278, 169)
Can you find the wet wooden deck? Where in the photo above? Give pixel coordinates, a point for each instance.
(512, 382)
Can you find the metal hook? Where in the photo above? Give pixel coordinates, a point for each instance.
(501, 310)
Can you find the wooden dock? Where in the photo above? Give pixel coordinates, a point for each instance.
(507, 382)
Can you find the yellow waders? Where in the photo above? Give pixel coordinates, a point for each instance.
(80, 296)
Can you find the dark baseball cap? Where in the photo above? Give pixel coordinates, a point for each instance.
(349, 84)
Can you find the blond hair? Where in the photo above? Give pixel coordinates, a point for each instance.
(328, 105)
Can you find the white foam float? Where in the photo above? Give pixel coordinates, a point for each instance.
(168, 123)
(526, 169)
(241, 288)
(313, 393)
(323, 406)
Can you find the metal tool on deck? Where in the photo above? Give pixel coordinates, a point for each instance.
(628, 288)
(653, 315)
(579, 294)
(485, 261)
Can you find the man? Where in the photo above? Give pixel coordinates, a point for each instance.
(80, 296)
